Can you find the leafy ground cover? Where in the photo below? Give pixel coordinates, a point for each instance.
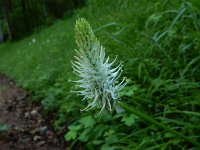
(158, 42)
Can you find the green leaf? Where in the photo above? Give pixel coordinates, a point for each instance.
(112, 139)
(107, 147)
(74, 127)
(71, 135)
(128, 91)
(99, 129)
(87, 121)
(84, 136)
(106, 116)
(97, 142)
(168, 135)
(130, 120)
(176, 141)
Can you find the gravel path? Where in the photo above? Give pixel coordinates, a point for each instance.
(27, 129)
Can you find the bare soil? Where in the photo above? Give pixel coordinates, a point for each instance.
(28, 129)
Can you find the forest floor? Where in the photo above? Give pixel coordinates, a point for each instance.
(27, 128)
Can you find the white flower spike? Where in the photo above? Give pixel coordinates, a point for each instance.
(98, 80)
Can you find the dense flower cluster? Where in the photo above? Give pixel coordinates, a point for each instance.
(98, 80)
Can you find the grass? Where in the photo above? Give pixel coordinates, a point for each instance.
(158, 41)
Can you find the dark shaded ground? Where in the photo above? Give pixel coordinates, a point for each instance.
(28, 129)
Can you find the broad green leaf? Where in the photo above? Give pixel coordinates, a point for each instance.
(84, 136)
(97, 142)
(71, 135)
(111, 139)
(130, 120)
(107, 147)
(99, 129)
(74, 127)
(128, 91)
(87, 121)
(168, 135)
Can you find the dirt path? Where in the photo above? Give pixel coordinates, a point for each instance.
(28, 129)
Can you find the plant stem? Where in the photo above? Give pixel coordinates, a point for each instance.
(151, 120)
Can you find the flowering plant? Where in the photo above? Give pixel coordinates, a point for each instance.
(98, 79)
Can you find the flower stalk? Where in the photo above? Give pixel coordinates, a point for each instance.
(160, 125)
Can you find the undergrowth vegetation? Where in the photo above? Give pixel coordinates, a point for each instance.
(159, 43)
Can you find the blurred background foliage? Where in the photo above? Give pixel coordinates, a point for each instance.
(22, 17)
(158, 42)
